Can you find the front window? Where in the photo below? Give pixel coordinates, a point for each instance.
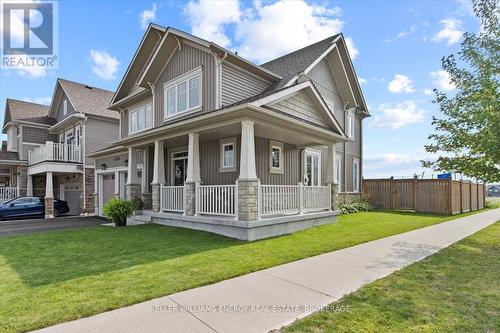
(355, 175)
(338, 171)
(141, 119)
(183, 94)
(228, 155)
(276, 157)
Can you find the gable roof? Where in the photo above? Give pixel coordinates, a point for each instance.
(291, 64)
(84, 98)
(25, 111)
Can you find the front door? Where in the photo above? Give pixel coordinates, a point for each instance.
(312, 168)
(179, 168)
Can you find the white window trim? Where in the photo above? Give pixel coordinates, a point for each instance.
(351, 125)
(138, 109)
(175, 82)
(338, 173)
(355, 185)
(223, 143)
(309, 151)
(279, 145)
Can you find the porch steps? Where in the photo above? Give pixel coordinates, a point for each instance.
(142, 218)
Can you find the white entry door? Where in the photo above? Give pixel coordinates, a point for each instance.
(311, 167)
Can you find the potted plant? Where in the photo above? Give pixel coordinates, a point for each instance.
(138, 205)
(117, 210)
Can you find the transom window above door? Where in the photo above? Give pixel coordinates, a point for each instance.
(140, 119)
(183, 94)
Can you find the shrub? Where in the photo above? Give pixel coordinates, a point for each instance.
(138, 203)
(117, 210)
(354, 207)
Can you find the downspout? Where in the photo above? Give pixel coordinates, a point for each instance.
(82, 144)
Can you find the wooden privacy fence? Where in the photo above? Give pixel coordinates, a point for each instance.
(440, 196)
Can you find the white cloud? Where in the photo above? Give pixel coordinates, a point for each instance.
(396, 164)
(351, 47)
(402, 34)
(401, 84)
(104, 64)
(147, 16)
(362, 80)
(399, 115)
(441, 80)
(427, 91)
(451, 31)
(263, 31)
(208, 18)
(32, 72)
(39, 100)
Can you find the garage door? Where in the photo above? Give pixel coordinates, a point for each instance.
(108, 187)
(72, 195)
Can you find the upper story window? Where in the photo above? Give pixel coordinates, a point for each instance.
(65, 106)
(183, 94)
(140, 119)
(228, 155)
(355, 175)
(276, 157)
(350, 125)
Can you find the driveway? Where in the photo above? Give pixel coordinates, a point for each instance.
(18, 227)
(268, 299)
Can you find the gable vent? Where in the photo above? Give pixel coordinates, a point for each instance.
(88, 87)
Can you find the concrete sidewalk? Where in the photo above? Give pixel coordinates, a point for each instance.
(271, 298)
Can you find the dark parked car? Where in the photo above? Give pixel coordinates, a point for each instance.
(23, 207)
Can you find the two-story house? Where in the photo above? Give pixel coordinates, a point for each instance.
(211, 141)
(52, 143)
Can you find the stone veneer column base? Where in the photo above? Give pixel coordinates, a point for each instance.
(335, 196)
(49, 208)
(248, 190)
(155, 197)
(133, 191)
(190, 197)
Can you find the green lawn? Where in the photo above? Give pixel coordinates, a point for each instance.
(52, 277)
(455, 290)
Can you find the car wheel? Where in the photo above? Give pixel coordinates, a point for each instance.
(56, 213)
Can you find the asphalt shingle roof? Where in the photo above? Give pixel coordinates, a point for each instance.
(90, 100)
(291, 64)
(21, 110)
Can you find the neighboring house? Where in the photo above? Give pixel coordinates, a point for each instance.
(26, 126)
(212, 141)
(53, 143)
(493, 191)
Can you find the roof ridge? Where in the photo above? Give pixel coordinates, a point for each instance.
(22, 101)
(84, 84)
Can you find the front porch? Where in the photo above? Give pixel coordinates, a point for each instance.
(247, 179)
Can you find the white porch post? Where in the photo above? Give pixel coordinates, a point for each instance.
(133, 187)
(193, 169)
(331, 176)
(29, 189)
(193, 175)
(117, 184)
(49, 197)
(144, 180)
(158, 175)
(248, 183)
(247, 157)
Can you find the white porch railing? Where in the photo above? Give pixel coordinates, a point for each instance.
(55, 152)
(172, 198)
(7, 193)
(293, 199)
(216, 200)
(279, 199)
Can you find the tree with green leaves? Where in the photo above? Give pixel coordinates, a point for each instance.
(468, 136)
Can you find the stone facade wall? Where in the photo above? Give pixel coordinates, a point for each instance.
(147, 199)
(248, 200)
(133, 191)
(89, 192)
(49, 208)
(335, 197)
(346, 197)
(190, 195)
(155, 197)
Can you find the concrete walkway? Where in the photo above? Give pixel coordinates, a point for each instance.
(271, 298)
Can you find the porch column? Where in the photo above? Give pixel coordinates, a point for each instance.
(133, 186)
(29, 187)
(49, 197)
(248, 183)
(158, 174)
(146, 195)
(331, 176)
(193, 174)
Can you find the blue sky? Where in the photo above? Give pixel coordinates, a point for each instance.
(397, 47)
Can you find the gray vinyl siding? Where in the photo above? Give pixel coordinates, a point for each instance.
(300, 105)
(98, 135)
(37, 135)
(238, 84)
(183, 61)
(291, 159)
(124, 124)
(60, 108)
(112, 161)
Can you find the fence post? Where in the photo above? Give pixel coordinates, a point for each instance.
(196, 198)
(470, 196)
(461, 196)
(301, 198)
(391, 194)
(450, 196)
(415, 184)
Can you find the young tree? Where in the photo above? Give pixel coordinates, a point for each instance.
(469, 133)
